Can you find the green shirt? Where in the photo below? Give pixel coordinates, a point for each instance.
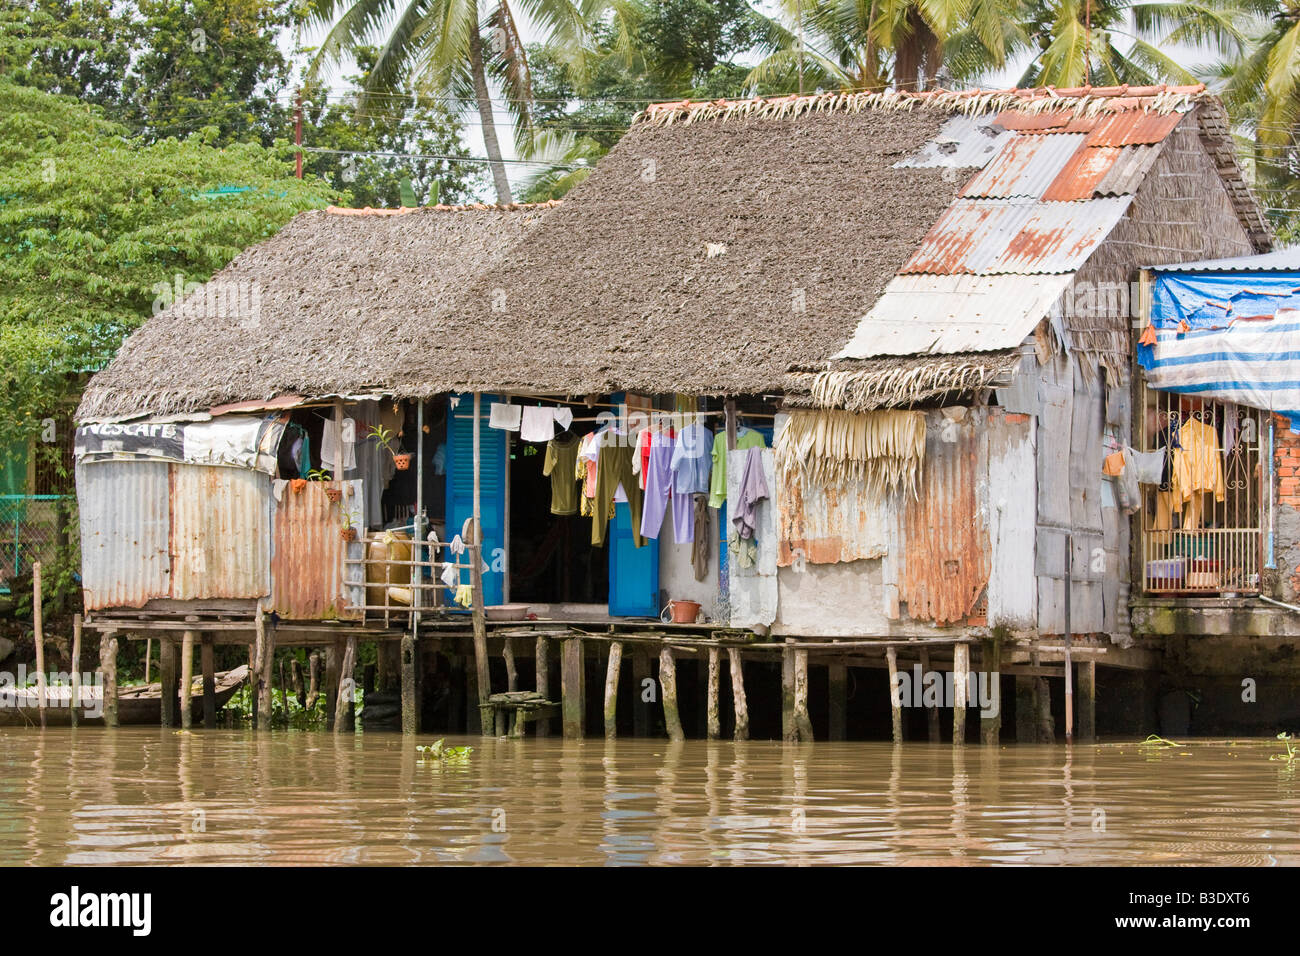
(745, 438)
(561, 464)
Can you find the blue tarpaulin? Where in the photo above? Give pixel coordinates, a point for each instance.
(1228, 337)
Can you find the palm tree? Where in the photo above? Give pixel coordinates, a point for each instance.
(871, 44)
(441, 44)
(1261, 85)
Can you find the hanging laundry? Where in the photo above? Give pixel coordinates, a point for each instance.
(753, 489)
(450, 575)
(537, 423)
(1198, 464)
(613, 474)
(658, 483)
(465, 595)
(701, 546)
(560, 466)
(745, 438)
(336, 443)
(505, 416)
(1113, 464)
(1149, 466)
(563, 417)
(641, 458)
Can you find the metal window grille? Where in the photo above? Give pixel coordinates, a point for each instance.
(1201, 524)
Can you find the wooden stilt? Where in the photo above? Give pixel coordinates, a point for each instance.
(1026, 709)
(264, 682)
(76, 669)
(573, 704)
(788, 732)
(187, 679)
(410, 708)
(1044, 725)
(207, 665)
(933, 725)
(473, 716)
(960, 672)
(543, 664)
(802, 722)
(333, 660)
(668, 690)
(167, 661)
(39, 637)
(738, 693)
(296, 681)
(640, 706)
(895, 697)
(148, 657)
(512, 676)
(713, 722)
(991, 710)
(108, 665)
(313, 679)
(343, 709)
(611, 689)
(1086, 701)
(837, 679)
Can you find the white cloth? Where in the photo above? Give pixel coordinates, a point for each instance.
(451, 575)
(564, 417)
(1148, 465)
(332, 439)
(538, 423)
(504, 415)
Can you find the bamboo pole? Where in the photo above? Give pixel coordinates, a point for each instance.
(76, 669)
(932, 722)
(543, 678)
(960, 673)
(712, 720)
(895, 697)
(187, 679)
(668, 689)
(108, 666)
(611, 689)
(738, 693)
(39, 638)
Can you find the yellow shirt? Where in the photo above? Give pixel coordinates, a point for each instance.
(1198, 466)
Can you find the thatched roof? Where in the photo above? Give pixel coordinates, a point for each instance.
(338, 297)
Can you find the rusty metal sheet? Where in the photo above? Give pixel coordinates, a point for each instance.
(1129, 171)
(125, 532)
(946, 555)
(970, 234)
(1079, 178)
(827, 524)
(963, 142)
(1048, 121)
(1024, 166)
(1059, 237)
(1133, 128)
(221, 532)
(307, 550)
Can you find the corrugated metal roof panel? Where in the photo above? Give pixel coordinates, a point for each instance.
(1281, 260)
(1079, 177)
(221, 532)
(1059, 121)
(1059, 236)
(125, 532)
(927, 314)
(1024, 166)
(1127, 172)
(1133, 128)
(307, 550)
(963, 142)
(969, 235)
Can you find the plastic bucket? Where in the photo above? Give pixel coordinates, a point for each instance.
(684, 612)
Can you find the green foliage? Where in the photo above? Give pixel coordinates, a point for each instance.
(442, 754)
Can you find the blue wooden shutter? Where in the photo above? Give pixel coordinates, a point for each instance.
(633, 571)
(460, 487)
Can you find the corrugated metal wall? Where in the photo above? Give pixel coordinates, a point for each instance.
(221, 532)
(125, 532)
(307, 551)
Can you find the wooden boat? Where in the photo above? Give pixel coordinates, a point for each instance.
(140, 704)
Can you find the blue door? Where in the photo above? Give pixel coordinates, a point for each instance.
(460, 487)
(633, 571)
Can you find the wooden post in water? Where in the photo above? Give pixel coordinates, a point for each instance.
(542, 667)
(410, 708)
(167, 661)
(207, 665)
(640, 674)
(148, 657)
(802, 722)
(264, 681)
(1026, 710)
(39, 637)
(76, 669)
(712, 720)
(991, 666)
(611, 689)
(313, 679)
(512, 675)
(108, 666)
(343, 710)
(960, 674)
(187, 679)
(333, 657)
(738, 693)
(934, 727)
(573, 704)
(788, 732)
(837, 680)
(1088, 701)
(668, 689)
(895, 696)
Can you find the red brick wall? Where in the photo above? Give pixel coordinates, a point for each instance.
(1287, 463)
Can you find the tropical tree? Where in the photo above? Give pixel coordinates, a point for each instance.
(456, 48)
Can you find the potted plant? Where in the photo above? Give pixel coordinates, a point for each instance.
(347, 532)
(401, 459)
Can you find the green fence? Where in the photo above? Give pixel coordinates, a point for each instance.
(34, 528)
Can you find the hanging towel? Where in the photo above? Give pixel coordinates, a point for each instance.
(332, 440)
(505, 416)
(753, 489)
(564, 417)
(537, 423)
(465, 595)
(456, 545)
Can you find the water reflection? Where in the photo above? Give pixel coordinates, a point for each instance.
(88, 796)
